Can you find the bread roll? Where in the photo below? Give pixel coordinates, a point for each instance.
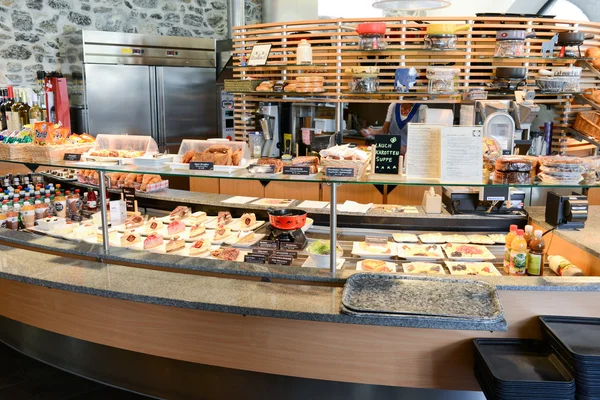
(187, 157)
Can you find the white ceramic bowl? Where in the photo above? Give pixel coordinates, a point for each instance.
(322, 261)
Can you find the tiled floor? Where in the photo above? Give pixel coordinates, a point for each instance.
(23, 378)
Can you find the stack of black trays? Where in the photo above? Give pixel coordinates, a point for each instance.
(521, 369)
(576, 341)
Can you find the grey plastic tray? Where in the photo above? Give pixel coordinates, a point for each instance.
(389, 294)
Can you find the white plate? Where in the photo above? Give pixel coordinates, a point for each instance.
(431, 254)
(233, 240)
(136, 246)
(432, 238)
(359, 251)
(480, 239)
(190, 222)
(235, 225)
(473, 268)
(457, 239)
(206, 254)
(107, 159)
(162, 249)
(423, 268)
(213, 224)
(390, 265)
(498, 238)
(452, 247)
(405, 238)
(273, 202)
(309, 223)
(310, 263)
(213, 241)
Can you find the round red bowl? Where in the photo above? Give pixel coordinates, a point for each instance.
(287, 220)
(371, 28)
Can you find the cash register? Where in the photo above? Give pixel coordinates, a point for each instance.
(494, 200)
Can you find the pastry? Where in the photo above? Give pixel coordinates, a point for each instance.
(456, 239)
(134, 222)
(457, 251)
(153, 240)
(432, 251)
(180, 212)
(247, 221)
(153, 225)
(175, 227)
(197, 217)
(227, 254)
(499, 238)
(375, 266)
(175, 244)
(221, 233)
(237, 156)
(308, 161)
(375, 249)
(405, 237)
(478, 239)
(423, 268)
(85, 231)
(48, 224)
(199, 247)
(187, 157)
(197, 230)
(224, 218)
(130, 238)
(432, 238)
(514, 164)
(472, 268)
(65, 228)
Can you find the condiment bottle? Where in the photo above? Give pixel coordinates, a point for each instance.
(92, 202)
(73, 204)
(535, 257)
(528, 234)
(60, 205)
(28, 215)
(563, 267)
(518, 255)
(304, 53)
(509, 238)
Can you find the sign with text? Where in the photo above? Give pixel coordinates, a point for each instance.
(340, 172)
(260, 54)
(296, 170)
(255, 258)
(376, 240)
(268, 244)
(72, 157)
(282, 253)
(387, 154)
(129, 197)
(277, 260)
(201, 166)
(262, 252)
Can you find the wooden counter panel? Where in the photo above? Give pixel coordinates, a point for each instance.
(237, 187)
(293, 190)
(204, 185)
(361, 193)
(408, 357)
(408, 195)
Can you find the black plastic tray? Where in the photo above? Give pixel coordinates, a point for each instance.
(492, 393)
(580, 336)
(523, 361)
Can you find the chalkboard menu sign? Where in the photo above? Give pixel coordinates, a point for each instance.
(129, 197)
(387, 154)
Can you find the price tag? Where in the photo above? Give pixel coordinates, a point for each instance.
(201, 166)
(282, 253)
(387, 154)
(262, 169)
(255, 258)
(129, 197)
(340, 172)
(262, 252)
(72, 157)
(260, 54)
(291, 246)
(296, 170)
(268, 244)
(376, 240)
(276, 260)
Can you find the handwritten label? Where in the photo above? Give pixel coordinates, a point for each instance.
(268, 244)
(72, 157)
(201, 166)
(340, 172)
(376, 240)
(387, 154)
(129, 197)
(282, 253)
(275, 260)
(260, 54)
(296, 170)
(255, 258)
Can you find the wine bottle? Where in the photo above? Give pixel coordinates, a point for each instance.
(8, 107)
(24, 109)
(35, 113)
(14, 115)
(3, 125)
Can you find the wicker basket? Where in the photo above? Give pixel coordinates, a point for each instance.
(55, 153)
(360, 167)
(588, 123)
(241, 85)
(14, 152)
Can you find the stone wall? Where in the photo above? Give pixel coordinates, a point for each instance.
(29, 29)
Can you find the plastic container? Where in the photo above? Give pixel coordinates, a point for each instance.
(304, 53)
(535, 257)
(441, 79)
(372, 41)
(551, 85)
(510, 48)
(122, 147)
(193, 147)
(440, 42)
(364, 84)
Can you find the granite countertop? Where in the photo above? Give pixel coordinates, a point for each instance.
(300, 302)
(587, 239)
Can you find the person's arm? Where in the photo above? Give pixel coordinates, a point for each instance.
(385, 129)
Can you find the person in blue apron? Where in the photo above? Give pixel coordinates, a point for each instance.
(398, 117)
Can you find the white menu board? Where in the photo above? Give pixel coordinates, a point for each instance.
(462, 154)
(423, 151)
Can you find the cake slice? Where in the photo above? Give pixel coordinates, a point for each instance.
(153, 225)
(247, 221)
(179, 213)
(175, 227)
(153, 240)
(134, 222)
(197, 230)
(224, 218)
(85, 231)
(245, 237)
(197, 217)
(130, 238)
(221, 233)
(175, 244)
(65, 228)
(199, 247)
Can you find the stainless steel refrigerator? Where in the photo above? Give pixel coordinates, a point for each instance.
(134, 84)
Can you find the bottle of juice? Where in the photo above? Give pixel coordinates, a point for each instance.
(528, 234)
(60, 205)
(535, 257)
(509, 238)
(518, 255)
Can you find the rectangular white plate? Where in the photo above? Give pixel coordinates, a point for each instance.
(212, 224)
(473, 268)
(485, 255)
(423, 268)
(310, 263)
(432, 254)
(390, 265)
(357, 250)
(481, 239)
(235, 226)
(274, 202)
(405, 238)
(233, 240)
(239, 200)
(432, 238)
